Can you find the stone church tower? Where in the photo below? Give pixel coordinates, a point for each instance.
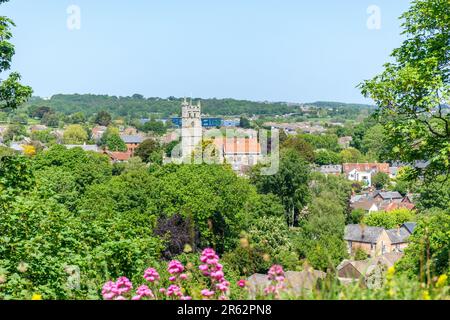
(191, 130)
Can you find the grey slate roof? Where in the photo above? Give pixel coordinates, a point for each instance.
(85, 147)
(331, 169)
(398, 235)
(409, 226)
(354, 232)
(389, 195)
(132, 139)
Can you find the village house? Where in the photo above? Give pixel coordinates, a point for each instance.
(118, 157)
(371, 271)
(38, 127)
(335, 170)
(239, 152)
(381, 201)
(363, 172)
(97, 132)
(132, 142)
(376, 241)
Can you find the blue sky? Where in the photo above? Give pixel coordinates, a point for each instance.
(276, 50)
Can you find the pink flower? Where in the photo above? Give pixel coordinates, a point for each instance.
(162, 290)
(218, 275)
(174, 290)
(275, 272)
(203, 267)
(207, 293)
(186, 298)
(270, 289)
(183, 276)
(116, 289)
(121, 298)
(151, 275)
(209, 256)
(107, 290)
(223, 298)
(175, 267)
(172, 279)
(144, 291)
(123, 285)
(223, 286)
(242, 283)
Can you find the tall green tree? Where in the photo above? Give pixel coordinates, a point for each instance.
(103, 118)
(290, 183)
(413, 92)
(75, 134)
(147, 149)
(12, 93)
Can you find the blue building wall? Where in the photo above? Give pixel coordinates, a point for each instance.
(206, 122)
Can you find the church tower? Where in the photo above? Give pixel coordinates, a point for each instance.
(191, 130)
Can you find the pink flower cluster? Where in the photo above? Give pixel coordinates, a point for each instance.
(276, 273)
(176, 269)
(276, 276)
(143, 292)
(151, 275)
(115, 290)
(218, 287)
(214, 270)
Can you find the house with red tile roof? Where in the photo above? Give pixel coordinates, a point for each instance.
(118, 156)
(241, 153)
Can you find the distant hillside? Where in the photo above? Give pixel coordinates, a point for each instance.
(137, 106)
(339, 105)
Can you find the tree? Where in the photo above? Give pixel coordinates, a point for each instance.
(290, 183)
(103, 118)
(115, 143)
(40, 112)
(434, 194)
(14, 132)
(389, 220)
(323, 233)
(12, 93)
(380, 180)
(244, 123)
(148, 148)
(75, 134)
(326, 157)
(300, 145)
(156, 127)
(413, 92)
(44, 136)
(351, 155)
(374, 142)
(50, 119)
(77, 118)
(427, 255)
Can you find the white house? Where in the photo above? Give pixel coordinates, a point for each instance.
(361, 176)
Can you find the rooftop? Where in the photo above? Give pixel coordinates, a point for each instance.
(357, 233)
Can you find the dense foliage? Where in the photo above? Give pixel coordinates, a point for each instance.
(12, 93)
